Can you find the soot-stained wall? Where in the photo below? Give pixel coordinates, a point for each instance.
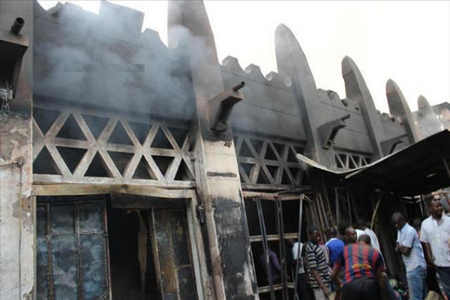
(106, 60)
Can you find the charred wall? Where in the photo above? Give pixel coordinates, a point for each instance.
(105, 60)
(17, 228)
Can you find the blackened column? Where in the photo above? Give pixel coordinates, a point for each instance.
(217, 173)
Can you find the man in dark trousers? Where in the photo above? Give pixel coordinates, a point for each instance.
(304, 291)
(364, 276)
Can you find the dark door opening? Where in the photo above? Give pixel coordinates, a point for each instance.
(150, 251)
(130, 278)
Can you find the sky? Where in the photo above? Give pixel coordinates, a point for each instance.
(406, 41)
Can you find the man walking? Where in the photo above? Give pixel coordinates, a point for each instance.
(316, 265)
(435, 236)
(409, 246)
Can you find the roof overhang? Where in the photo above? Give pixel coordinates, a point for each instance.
(417, 169)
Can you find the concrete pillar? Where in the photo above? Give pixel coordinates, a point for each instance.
(217, 174)
(17, 233)
(292, 62)
(426, 118)
(399, 107)
(356, 89)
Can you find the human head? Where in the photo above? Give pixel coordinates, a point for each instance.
(416, 223)
(398, 219)
(435, 208)
(313, 234)
(361, 224)
(332, 232)
(291, 242)
(349, 235)
(365, 239)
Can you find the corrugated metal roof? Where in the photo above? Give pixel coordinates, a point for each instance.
(417, 169)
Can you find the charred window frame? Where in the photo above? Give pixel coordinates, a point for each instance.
(273, 221)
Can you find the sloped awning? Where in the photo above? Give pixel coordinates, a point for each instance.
(417, 169)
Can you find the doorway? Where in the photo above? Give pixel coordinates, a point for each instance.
(114, 247)
(150, 251)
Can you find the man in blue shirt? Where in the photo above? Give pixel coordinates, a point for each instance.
(335, 246)
(409, 246)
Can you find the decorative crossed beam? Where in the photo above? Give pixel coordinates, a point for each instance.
(102, 146)
(346, 160)
(282, 163)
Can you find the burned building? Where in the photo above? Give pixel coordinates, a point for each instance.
(132, 170)
(432, 119)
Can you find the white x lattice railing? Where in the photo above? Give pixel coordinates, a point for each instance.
(169, 166)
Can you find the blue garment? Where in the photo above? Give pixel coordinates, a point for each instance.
(335, 247)
(417, 284)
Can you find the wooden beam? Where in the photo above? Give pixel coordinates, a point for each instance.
(273, 196)
(90, 189)
(58, 179)
(273, 237)
(70, 189)
(276, 287)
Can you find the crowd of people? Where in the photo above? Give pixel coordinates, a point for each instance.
(352, 267)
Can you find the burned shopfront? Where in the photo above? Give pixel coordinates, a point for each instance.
(132, 170)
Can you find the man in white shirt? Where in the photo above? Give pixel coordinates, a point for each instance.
(409, 246)
(303, 289)
(435, 234)
(361, 225)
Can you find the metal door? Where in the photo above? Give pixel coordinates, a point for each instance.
(72, 260)
(172, 252)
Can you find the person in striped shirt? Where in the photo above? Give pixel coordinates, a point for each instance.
(364, 271)
(316, 265)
